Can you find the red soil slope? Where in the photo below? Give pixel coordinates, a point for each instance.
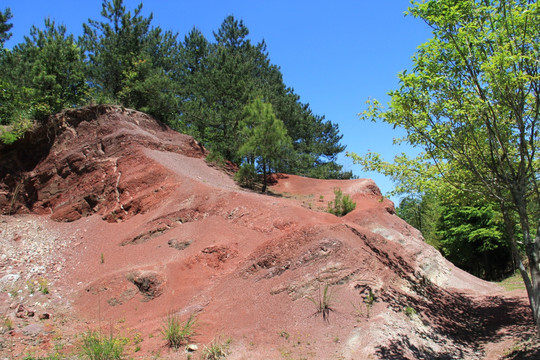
(126, 223)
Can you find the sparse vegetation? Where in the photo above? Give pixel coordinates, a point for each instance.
(342, 204)
(177, 333)
(284, 334)
(54, 356)
(409, 311)
(14, 292)
(364, 308)
(7, 324)
(323, 302)
(96, 346)
(31, 285)
(43, 286)
(216, 350)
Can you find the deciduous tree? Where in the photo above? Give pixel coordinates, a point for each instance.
(472, 102)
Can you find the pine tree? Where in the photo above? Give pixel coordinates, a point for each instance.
(266, 142)
(5, 35)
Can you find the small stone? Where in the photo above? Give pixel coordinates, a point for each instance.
(44, 316)
(192, 348)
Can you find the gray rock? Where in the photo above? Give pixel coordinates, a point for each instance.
(32, 329)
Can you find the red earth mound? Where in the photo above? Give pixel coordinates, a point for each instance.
(125, 223)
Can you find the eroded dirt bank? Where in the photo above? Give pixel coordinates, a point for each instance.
(124, 222)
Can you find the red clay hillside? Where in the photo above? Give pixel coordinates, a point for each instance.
(124, 223)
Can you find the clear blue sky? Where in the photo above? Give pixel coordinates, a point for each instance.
(335, 54)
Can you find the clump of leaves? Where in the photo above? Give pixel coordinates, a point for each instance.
(342, 204)
(177, 333)
(323, 302)
(96, 346)
(216, 350)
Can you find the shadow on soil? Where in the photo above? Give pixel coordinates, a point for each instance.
(468, 322)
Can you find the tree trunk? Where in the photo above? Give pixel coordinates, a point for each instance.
(264, 176)
(533, 291)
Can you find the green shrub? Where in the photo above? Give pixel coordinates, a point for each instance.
(409, 311)
(247, 176)
(341, 205)
(176, 333)
(96, 346)
(19, 126)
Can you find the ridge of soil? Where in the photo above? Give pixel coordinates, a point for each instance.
(124, 223)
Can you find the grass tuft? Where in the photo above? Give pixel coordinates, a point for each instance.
(177, 333)
(323, 302)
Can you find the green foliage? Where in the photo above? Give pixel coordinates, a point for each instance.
(114, 45)
(409, 311)
(130, 62)
(247, 176)
(5, 16)
(216, 159)
(473, 238)
(467, 230)
(342, 204)
(218, 80)
(323, 302)
(96, 346)
(422, 212)
(177, 333)
(44, 74)
(18, 127)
